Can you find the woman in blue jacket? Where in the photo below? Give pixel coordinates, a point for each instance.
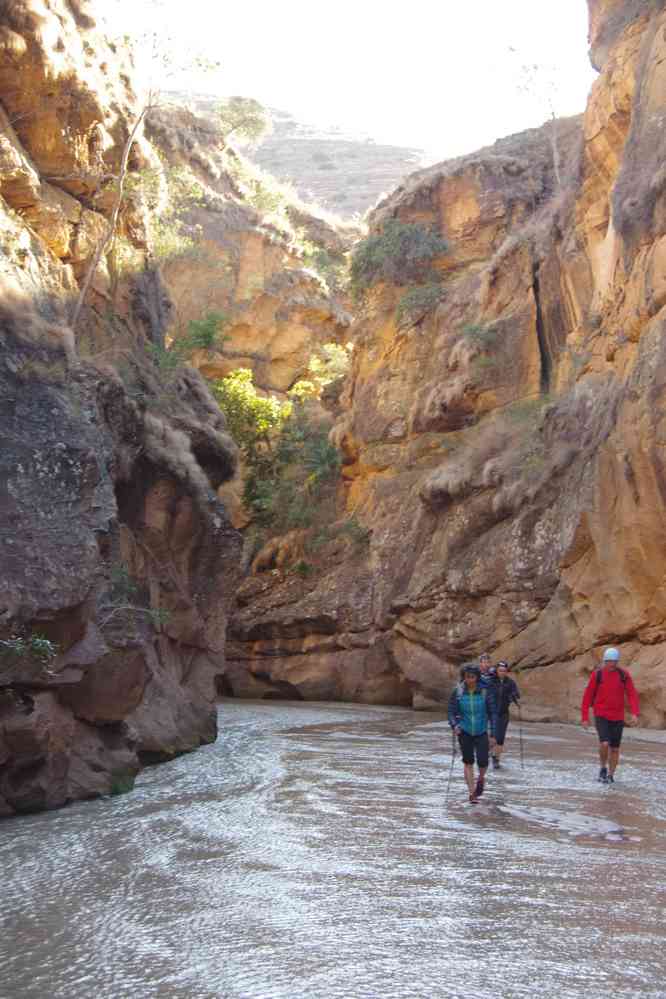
(471, 715)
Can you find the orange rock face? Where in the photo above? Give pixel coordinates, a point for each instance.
(504, 450)
(277, 311)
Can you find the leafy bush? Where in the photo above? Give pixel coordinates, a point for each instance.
(34, 646)
(252, 419)
(416, 303)
(290, 464)
(399, 253)
(202, 334)
(329, 267)
(329, 362)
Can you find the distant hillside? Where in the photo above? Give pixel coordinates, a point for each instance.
(343, 172)
(340, 171)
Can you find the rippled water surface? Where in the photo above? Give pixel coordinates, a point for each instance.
(312, 853)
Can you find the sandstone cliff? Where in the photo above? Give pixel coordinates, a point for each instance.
(502, 445)
(115, 547)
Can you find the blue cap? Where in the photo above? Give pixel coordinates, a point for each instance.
(611, 655)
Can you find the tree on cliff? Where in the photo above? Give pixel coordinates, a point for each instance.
(243, 119)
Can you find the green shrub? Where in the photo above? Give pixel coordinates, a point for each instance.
(327, 364)
(484, 337)
(321, 460)
(418, 302)
(122, 783)
(400, 253)
(290, 465)
(204, 334)
(252, 419)
(201, 334)
(303, 569)
(35, 646)
(359, 534)
(329, 267)
(122, 586)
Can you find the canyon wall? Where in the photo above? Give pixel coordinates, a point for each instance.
(502, 449)
(115, 545)
(502, 481)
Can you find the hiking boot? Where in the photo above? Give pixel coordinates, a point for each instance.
(478, 790)
(610, 779)
(473, 800)
(603, 775)
(496, 763)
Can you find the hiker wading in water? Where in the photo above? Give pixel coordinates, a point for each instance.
(505, 692)
(471, 714)
(487, 670)
(605, 694)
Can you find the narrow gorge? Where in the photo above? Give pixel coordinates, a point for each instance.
(470, 391)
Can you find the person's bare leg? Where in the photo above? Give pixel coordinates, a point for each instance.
(603, 754)
(469, 777)
(613, 760)
(497, 751)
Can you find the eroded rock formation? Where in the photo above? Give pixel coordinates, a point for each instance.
(115, 545)
(504, 449)
(249, 270)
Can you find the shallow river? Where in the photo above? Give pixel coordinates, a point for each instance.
(312, 853)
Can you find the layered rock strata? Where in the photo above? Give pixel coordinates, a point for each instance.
(503, 448)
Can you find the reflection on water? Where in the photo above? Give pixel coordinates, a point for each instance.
(312, 854)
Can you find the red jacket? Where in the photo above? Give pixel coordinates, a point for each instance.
(608, 701)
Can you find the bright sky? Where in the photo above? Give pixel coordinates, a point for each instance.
(438, 74)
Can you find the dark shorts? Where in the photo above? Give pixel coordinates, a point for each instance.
(474, 745)
(500, 729)
(609, 731)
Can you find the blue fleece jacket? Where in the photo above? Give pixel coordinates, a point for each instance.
(473, 712)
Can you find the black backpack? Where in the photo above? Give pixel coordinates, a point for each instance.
(597, 676)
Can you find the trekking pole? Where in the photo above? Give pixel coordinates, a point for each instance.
(453, 760)
(520, 731)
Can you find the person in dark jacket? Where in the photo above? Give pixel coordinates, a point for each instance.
(487, 669)
(606, 692)
(505, 693)
(471, 714)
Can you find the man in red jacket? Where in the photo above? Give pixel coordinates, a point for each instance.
(605, 693)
